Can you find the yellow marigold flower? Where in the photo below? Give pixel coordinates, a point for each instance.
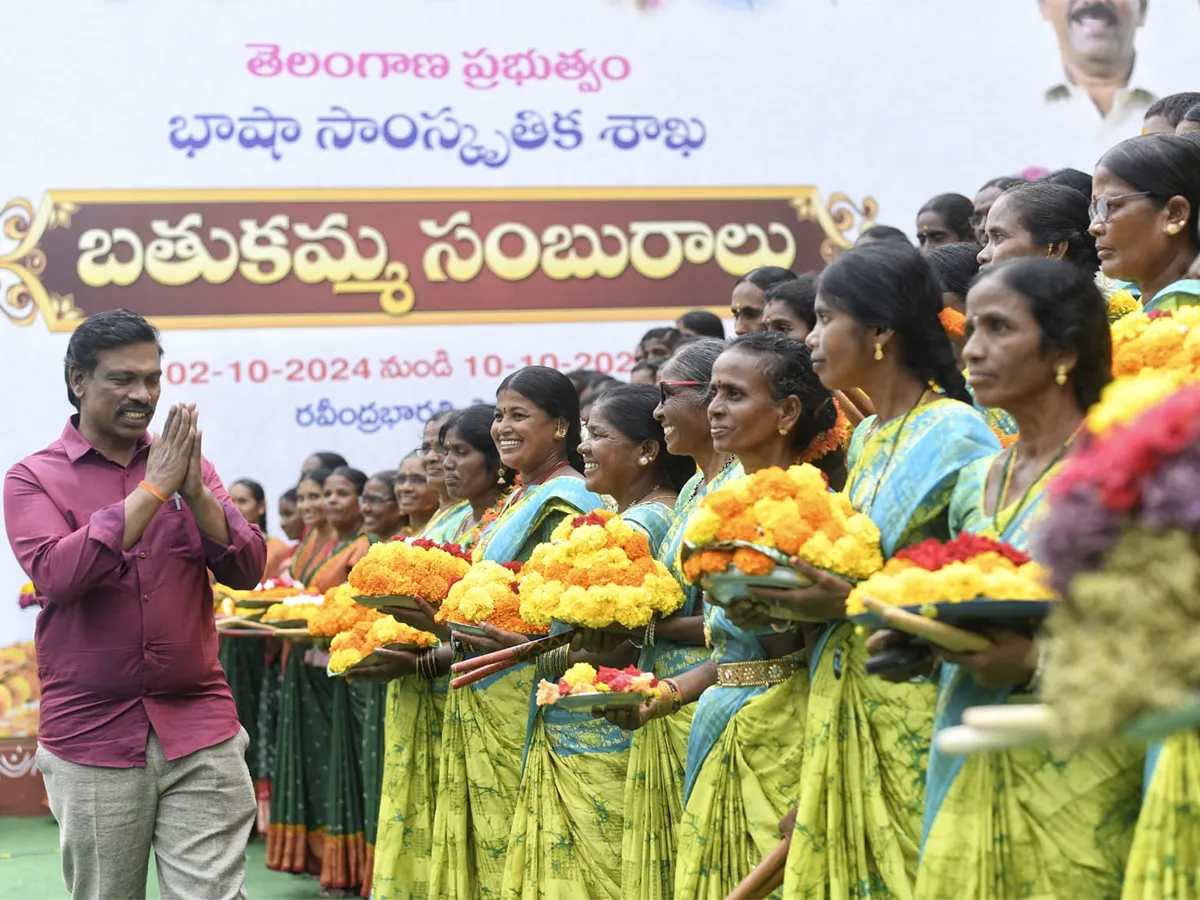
(341, 660)
(580, 675)
(1122, 303)
(703, 527)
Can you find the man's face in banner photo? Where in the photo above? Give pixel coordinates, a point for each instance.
(1096, 37)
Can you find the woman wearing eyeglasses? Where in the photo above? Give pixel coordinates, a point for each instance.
(1145, 211)
(672, 646)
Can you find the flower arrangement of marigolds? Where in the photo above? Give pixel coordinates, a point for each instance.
(1161, 340)
(1122, 539)
(488, 593)
(339, 613)
(583, 678)
(409, 568)
(302, 606)
(351, 647)
(967, 568)
(791, 512)
(1122, 303)
(596, 571)
(227, 600)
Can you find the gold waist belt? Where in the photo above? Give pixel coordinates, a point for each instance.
(756, 673)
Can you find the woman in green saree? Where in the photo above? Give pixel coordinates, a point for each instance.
(567, 830)
(415, 702)
(537, 431)
(866, 741)
(1028, 822)
(296, 832)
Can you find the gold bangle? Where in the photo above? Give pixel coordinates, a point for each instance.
(676, 694)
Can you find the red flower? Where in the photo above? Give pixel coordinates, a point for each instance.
(514, 567)
(1158, 314)
(592, 518)
(932, 554)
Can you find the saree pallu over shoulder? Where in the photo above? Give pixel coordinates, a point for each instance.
(866, 741)
(567, 829)
(484, 725)
(311, 552)
(1164, 863)
(335, 570)
(747, 783)
(1177, 294)
(445, 525)
(902, 476)
(505, 538)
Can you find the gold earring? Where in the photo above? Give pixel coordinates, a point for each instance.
(1060, 377)
(501, 479)
(1049, 250)
(1172, 229)
(644, 461)
(878, 351)
(783, 431)
(559, 435)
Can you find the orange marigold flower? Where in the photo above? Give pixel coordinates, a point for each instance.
(751, 562)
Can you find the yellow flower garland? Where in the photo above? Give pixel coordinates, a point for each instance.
(989, 575)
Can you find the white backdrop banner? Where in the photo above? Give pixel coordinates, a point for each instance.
(347, 216)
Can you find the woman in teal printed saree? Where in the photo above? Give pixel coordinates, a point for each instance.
(537, 432)
(415, 704)
(1027, 822)
(866, 741)
(567, 831)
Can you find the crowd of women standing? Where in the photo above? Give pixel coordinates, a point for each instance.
(770, 729)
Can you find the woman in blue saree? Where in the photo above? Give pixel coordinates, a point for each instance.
(866, 741)
(1026, 822)
(567, 831)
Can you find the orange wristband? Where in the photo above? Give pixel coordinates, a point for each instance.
(152, 491)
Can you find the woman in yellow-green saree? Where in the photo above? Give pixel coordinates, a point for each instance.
(537, 431)
(653, 802)
(1027, 822)
(469, 464)
(866, 741)
(567, 832)
(744, 753)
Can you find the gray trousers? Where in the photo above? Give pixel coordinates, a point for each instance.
(195, 813)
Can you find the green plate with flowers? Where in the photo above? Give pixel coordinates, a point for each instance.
(969, 612)
(601, 700)
(400, 601)
(724, 588)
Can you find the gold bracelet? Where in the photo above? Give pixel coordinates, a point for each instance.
(676, 694)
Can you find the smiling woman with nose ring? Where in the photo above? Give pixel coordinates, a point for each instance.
(537, 431)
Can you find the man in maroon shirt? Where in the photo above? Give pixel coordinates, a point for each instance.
(139, 742)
